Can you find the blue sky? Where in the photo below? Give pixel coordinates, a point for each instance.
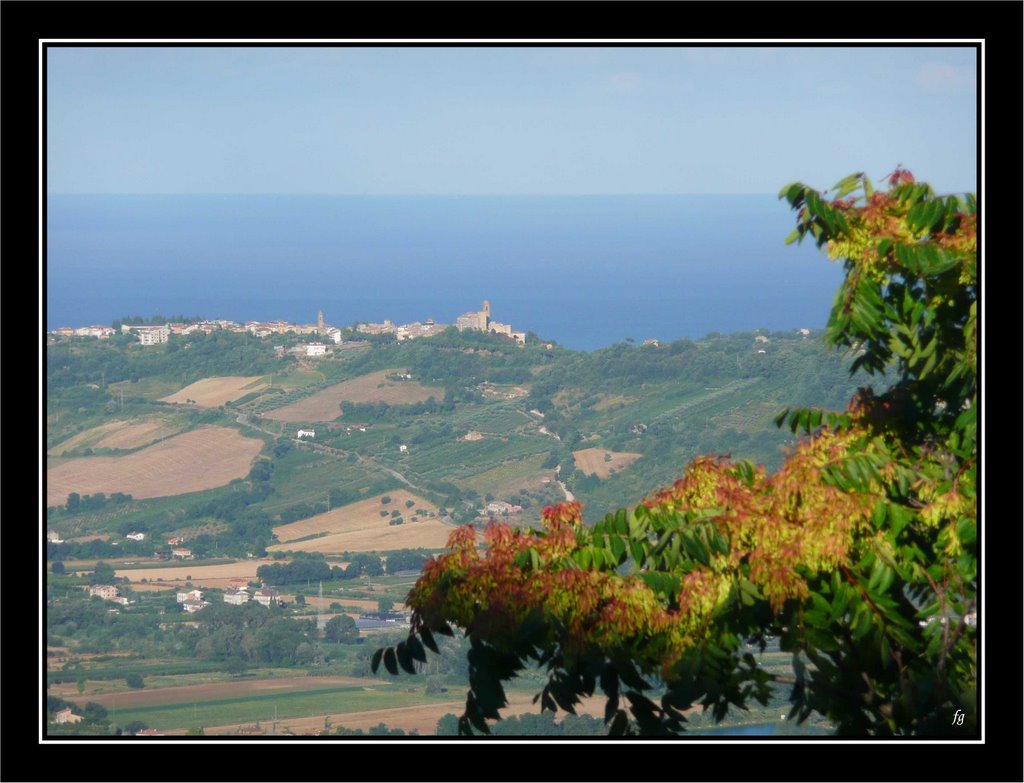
(504, 120)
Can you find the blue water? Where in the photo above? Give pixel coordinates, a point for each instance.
(585, 271)
(748, 730)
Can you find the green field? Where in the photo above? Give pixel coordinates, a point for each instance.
(152, 388)
(505, 477)
(249, 709)
(303, 476)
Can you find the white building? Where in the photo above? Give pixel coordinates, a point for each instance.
(265, 596)
(236, 597)
(316, 349)
(106, 592)
(305, 434)
(136, 536)
(102, 332)
(66, 716)
(194, 606)
(335, 335)
(149, 335)
(188, 595)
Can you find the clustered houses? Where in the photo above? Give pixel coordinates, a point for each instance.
(500, 507)
(191, 600)
(480, 321)
(101, 332)
(148, 335)
(416, 329)
(154, 334)
(264, 596)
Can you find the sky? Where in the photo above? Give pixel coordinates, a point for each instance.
(504, 120)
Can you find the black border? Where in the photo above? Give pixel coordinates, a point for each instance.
(999, 23)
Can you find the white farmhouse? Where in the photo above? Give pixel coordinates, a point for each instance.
(236, 597)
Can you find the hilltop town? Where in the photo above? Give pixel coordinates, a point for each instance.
(157, 333)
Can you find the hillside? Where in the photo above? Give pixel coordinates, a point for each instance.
(473, 424)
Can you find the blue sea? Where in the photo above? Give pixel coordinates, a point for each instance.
(584, 271)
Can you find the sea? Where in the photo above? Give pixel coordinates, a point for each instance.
(583, 271)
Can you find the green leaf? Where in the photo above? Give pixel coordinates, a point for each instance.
(404, 658)
(583, 557)
(375, 660)
(861, 623)
(619, 724)
(847, 185)
(428, 640)
(474, 716)
(390, 661)
(415, 648)
(618, 547)
(781, 417)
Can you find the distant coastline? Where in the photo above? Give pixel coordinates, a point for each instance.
(587, 272)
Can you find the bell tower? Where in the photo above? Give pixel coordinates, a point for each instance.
(320, 322)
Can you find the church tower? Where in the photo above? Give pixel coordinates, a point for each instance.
(485, 315)
(320, 322)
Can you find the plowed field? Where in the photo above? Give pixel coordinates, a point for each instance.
(373, 387)
(213, 392)
(119, 435)
(593, 461)
(359, 527)
(202, 459)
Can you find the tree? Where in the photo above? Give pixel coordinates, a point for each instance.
(74, 501)
(300, 599)
(385, 605)
(57, 567)
(134, 680)
(102, 574)
(859, 554)
(341, 629)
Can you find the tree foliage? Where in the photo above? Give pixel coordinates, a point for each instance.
(859, 554)
(342, 629)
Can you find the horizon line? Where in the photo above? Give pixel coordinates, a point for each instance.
(407, 195)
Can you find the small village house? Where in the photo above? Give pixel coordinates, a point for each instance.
(66, 716)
